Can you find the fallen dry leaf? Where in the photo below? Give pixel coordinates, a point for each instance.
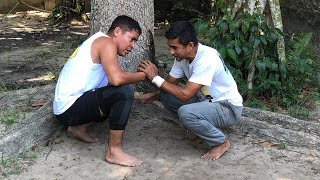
(264, 143)
(39, 103)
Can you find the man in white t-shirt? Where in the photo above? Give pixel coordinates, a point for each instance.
(209, 100)
(92, 87)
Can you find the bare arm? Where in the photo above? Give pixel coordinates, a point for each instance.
(182, 93)
(172, 80)
(107, 54)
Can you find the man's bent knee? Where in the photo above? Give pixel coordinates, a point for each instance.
(185, 115)
(117, 103)
(127, 91)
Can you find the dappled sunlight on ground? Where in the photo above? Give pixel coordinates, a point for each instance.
(30, 28)
(31, 49)
(26, 13)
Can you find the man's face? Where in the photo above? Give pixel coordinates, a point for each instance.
(177, 50)
(126, 41)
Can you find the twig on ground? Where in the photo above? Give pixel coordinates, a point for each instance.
(48, 153)
(32, 7)
(10, 11)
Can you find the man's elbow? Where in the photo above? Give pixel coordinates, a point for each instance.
(185, 98)
(115, 81)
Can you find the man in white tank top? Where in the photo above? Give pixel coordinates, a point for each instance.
(209, 101)
(92, 87)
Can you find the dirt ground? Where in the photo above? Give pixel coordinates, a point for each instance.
(164, 148)
(32, 54)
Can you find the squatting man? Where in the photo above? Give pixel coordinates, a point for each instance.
(209, 101)
(92, 87)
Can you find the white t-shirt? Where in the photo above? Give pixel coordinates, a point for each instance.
(78, 75)
(208, 69)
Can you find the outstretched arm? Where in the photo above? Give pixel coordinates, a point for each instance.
(182, 93)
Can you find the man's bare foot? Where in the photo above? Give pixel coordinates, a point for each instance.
(147, 98)
(121, 158)
(216, 152)
(80, 133)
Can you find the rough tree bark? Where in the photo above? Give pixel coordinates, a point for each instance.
(277, 22)
(105, 11)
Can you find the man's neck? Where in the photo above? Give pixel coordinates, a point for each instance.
(193, 54)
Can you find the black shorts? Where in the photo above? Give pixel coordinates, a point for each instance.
(85, 110)
(114, 101)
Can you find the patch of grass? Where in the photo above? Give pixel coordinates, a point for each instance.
(282, 145)
(9, 166)
(3, 87)
(10, 116)
(17, 164)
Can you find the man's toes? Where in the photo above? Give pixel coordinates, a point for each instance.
(135, 163)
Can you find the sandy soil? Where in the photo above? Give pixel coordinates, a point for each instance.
(153, 137)
(152, 134)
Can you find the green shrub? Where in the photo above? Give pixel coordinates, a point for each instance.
(247, 44)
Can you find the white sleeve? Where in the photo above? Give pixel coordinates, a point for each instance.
(176, 70)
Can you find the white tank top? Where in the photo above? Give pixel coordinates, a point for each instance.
(78, 75)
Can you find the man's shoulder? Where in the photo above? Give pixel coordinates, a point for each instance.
(207, 49)
(103, 41)
(101, 47)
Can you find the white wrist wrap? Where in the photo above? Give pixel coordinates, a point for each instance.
(158, 81)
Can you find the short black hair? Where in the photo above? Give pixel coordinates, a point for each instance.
(126, 23)
(184, 31)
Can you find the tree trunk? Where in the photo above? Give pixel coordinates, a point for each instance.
(278, 127)
(105, 11)
(252, 68)
(277, 22)
(249, 6)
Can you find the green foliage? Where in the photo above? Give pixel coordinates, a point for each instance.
(58, 14)
(185, 11)
(165, 62)
(170, 11)
(247, 43)
(301, 88)
(67, 9)
(301, 64)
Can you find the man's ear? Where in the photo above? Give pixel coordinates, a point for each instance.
(117, 31)
(191, 45)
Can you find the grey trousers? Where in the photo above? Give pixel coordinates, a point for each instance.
(204, 119)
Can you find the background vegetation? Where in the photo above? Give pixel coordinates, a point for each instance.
(245, 41)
